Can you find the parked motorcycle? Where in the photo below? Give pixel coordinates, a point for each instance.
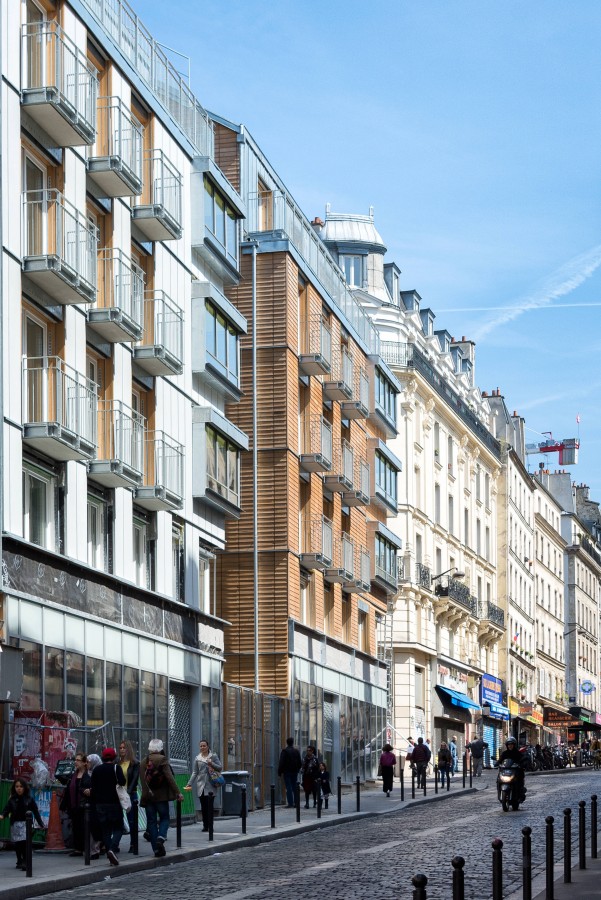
(509, 785)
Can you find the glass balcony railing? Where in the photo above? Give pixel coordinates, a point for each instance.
(315, 356)
(316, 550)
(115, 160)
(59, 247)
(163, 482)
(316, 452)
(358, 407)
(59, 86)
(160, 350)
(120, 455)
(157, 211)
(118, 312)
(339, 384)
(60, 407)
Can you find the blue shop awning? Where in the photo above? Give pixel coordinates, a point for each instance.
(497, 710)
(456, 698)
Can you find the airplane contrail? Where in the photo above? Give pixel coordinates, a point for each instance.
(463, 309)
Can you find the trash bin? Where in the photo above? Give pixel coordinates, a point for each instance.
(231, 793)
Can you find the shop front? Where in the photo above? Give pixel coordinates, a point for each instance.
(453, 713)
(526, 722)
(561, 723)
(494, 715)
(584, 724)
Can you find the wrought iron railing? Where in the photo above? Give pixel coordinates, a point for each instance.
(423, 575)
(491, 612)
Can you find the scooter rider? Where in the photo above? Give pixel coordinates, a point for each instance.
(512, 754)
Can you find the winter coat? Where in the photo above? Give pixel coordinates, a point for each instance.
(387, 758)
(200, 773)
(167, 789)
(105, 779)
(445, 757)
(81, 784)
(420, 754)
(16, 808)
(310, 770)
(290, 761)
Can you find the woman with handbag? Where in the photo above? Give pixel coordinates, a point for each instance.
(107, 802)
(207, 775)
(74, 797)
(131, 770)
(386, 768)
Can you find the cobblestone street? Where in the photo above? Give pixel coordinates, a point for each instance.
(376, 857)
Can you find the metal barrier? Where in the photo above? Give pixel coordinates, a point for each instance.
(211, 815)
(527, 863)
(272, 804)
(549, 858)
(135, 835)
(567, 846)
(243, 809)
(178, 823)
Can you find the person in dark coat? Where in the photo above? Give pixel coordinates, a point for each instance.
(310, 773)
(158, 788)
(131, 770)
(75, 796)
(289, 766)
(324, 783)
(445, 763)
(19, 803)
(387, 764)
(105, 779)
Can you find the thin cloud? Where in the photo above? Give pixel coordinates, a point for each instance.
(565, 280)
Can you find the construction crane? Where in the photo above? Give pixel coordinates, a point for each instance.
(566, 447)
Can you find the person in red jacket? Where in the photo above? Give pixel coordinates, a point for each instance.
(387, 764)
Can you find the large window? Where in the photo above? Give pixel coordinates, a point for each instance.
(97, 532)
(385, 396)
(386, 479)
(385, 559)
(178, 561)
(352, 266)
(221, 220)
(39, 488)
(223, 466)
(142, 554)
(221, 342)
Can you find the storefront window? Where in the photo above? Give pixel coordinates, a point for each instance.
(113, 694)
(75, 683)
(94, 691)
(31, 697)
(54, 663)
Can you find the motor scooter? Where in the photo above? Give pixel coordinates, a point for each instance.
(509, 785)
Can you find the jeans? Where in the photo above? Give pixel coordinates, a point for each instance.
(444, 772)
(477, 762)
(290, 782)
(421, 768)
(110, 820)
(158, 810)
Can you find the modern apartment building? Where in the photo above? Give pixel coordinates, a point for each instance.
(445, 620)
(310, 565)
(120, 467)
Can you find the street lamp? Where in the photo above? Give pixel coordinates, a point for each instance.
(456, 573)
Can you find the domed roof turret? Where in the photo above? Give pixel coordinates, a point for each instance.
(349, 228)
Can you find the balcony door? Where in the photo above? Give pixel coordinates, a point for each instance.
(34, 185)
(34, 46)
(34, 349)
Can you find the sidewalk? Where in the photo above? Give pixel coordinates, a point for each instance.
(56, 871)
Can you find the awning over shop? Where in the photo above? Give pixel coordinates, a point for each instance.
(497, 710)
(456, 698)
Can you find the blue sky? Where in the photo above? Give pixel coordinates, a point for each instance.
(473, 128)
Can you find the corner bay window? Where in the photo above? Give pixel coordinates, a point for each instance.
(385, 396)
(223, 466)
(386, 479)
(221, 220)
(385, 559)
(221, 342)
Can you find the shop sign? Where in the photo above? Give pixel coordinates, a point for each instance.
(443, 670)
(491, 688)
(514, 707)
(555, 718)
(597, 719)
(526, 710)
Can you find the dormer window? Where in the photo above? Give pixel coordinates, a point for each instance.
(352, 266)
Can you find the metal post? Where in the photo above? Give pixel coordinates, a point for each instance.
(581, 835)
(424, 779)
(297, 800)
(178, 824)
(567, 846)
(464, 772)
(135, 834)
(272, 805)
(413, 784)
(435, 779)
(458, 863)
(419, 882)
(338, 795)
(497, 869)
(402, 785)
(526, 863)
(211, 815)
(28, 843)
(549, 858)
(86, 834)
(319, 803)
(594, 826)
(448, 780)
(358, 783)
(471, 770)
(243, 810)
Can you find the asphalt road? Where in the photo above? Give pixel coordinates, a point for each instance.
(374, 858)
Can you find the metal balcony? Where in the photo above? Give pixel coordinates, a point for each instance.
(60, 408)
(359, 495)
(59, 247)
(358, 407)
(341, 479)
(115, 161)
(163, 482)
(342, 570)
(361, 580)
(459, 593)
(158, 210)
(316, 455)
(59, 86)
(318, 552)
(489, 612)
(423, 576)
(120, 456)
(386, 579)
(161, 347)
(118, 313)
(315, 357)
(339, 385)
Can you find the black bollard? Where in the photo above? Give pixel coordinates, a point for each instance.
(549, 858)
(581, 835)
(471, 771)
(448, 780)
(243, 809)
(319, 803)
(424, 778)
(497, 869)
(458, 863)
(402, 785)
(272, 800)
(435, 779)
(178, 824)
(567, 846)
(297, 799)
(358, 783)
(28, 843)
(526, 863)
(86, 834)
(464, 772)
(419, 882)
(135, 834)
(211, 815)
(594, 826)
(338, 795)
(413, 784)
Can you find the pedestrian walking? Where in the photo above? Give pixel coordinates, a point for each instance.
(387, 764)
(445, 763)
(420, 757)
(408, 752)
(324, 782)
(289, 766)
(19, 803)
(477, 748)
(158, 788)
(105, 779)
(310, 774)
(454, 755)
(95, 833)
(205, 763)
(74, 798)
(130, 767)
